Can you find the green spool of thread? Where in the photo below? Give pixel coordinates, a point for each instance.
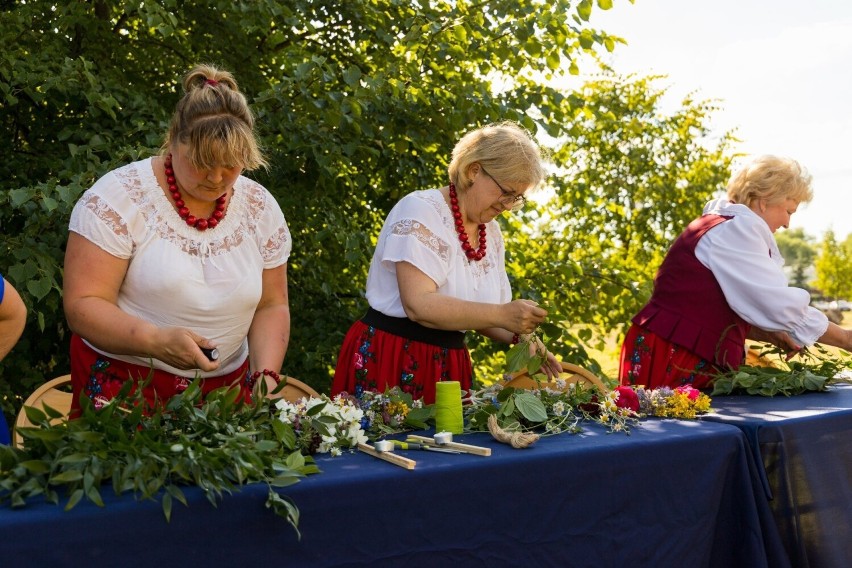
(448, 407)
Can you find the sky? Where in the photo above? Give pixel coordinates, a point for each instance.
(782, 70)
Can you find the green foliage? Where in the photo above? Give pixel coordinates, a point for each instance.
(529, 355)
(544, 411)
(630, 178)
(358, 103)
(815, 370)
(833, 268)
(635, 177)
(219, 445)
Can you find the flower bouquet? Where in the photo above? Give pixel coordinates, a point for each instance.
(547, 410)
(323, 425)
(331, 425)
(680, 402)
(392, 412)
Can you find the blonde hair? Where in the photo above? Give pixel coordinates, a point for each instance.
(213, 118)
(505, 149)
(771, 178)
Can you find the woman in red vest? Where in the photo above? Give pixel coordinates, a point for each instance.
(722, 282)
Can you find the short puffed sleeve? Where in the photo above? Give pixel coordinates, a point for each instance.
(100, 216)
(273, 234)
(416, 232)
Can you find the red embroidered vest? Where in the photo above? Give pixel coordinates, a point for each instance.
(688, 307)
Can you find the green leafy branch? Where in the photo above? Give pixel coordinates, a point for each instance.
(815, 369)
(531, 353)
(521, 410)
(218, 444)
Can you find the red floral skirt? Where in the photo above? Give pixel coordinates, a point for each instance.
(374, 360)
(101, 378)
(651, 361)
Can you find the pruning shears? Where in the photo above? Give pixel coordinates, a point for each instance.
(415, 446)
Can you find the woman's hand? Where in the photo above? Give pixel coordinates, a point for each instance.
(523, 316)
(780, 339)
(551, 367)
(181, 348)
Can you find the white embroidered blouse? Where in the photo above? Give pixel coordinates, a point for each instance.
(420, 230)
(207, 281)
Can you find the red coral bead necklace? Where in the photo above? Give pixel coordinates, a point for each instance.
(201, 223)
(469, 252)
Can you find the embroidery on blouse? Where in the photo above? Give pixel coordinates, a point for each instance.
(109, 216)
(478, 268)
(247, 205)
(276, 242)
(421, 232)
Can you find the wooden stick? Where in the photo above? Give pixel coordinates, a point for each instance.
(388, 456)
(466, 448)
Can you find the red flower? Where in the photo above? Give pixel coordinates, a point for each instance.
(627, 398)
(689, 391)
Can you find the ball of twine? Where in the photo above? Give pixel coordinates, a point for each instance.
(514, 439)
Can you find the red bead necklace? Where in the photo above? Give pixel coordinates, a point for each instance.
(471, 254)
(201, 224)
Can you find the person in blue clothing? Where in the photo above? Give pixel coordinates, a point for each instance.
(13, 315)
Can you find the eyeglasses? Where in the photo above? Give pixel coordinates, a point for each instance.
(509, 200)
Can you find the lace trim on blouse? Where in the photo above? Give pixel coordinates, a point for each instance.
(110, 218)
(421, 232)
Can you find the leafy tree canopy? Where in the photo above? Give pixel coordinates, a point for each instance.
(833, 266)
(358, 102)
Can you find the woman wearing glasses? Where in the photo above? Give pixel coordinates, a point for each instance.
(438, 270)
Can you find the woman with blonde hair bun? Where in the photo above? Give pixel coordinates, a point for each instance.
(722, 282)
(178, 262)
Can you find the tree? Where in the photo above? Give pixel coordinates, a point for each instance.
(799, 252)
(630, 177)
(833, 268)
(634, 176)
(358, 103)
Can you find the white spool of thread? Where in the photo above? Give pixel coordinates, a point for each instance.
(383, 446)
(443, 437)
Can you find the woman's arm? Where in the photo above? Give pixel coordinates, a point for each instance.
(92, 280)
(423, 304)
(13, 317)
(754, 285)
(837, 337)
(269, 333)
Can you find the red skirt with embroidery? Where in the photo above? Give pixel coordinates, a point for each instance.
(651, 361)
(374, 360)
(101, 378)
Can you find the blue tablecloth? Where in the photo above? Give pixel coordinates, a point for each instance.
(803, 445)
(672, 493)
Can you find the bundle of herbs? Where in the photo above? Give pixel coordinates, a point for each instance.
(813, 369)
(219, 444)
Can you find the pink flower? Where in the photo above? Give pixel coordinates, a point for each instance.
(690, 392)
(359, 361)
(627, 398)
